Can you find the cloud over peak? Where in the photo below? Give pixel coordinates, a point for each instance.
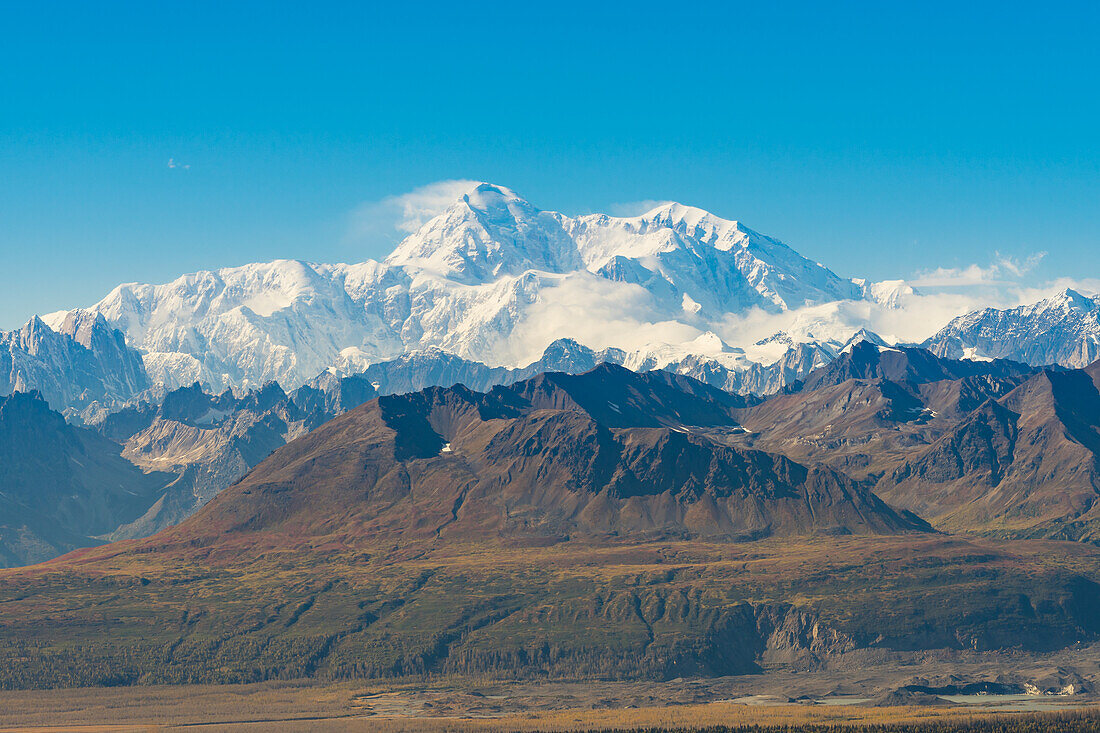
(387, 220)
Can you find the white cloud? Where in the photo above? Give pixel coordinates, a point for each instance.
(911, 316)
(388, 220)
(598, 313)
(1085, 286)
(1002, 269)
(947, 277)
(1016, 267)
(915, 317)
(635, 208)
(923, 314)
(173, 164)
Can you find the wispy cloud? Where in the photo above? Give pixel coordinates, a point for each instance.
(387, 220)
(1002, 269)
(635, 208)
(1017, 267)
(173, 164)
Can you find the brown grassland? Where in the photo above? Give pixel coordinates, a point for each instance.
(301, 706)
(193, 615)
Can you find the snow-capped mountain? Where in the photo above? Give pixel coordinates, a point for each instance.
(244, 325)
(720, 266)
(81, 361)
(1063, 329)
(495, 280)
(487, 234)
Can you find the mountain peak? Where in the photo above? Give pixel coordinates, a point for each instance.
(487, 194)
(724, 234)
(470, 281)
(35, 325)
(864, 338)
(610, 451)
(864, 359)
(82, 324)
(18, 405)
(489, 233)
(1070, 298)
(673, 210)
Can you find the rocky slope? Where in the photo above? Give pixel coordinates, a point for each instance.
(610, 452)
(62, 487)
(209, 441)
(990, 446)
(874, 406)
(1027, 464)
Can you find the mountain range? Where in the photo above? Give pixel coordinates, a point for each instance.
(197, 443)
(992, 447)
(899, 421)
(63, 486)
(491, 284)
(609, 452)
(1026, 464)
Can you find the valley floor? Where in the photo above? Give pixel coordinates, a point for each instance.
(464, 705)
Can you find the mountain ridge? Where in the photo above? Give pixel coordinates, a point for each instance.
(611, 523)
(1063, 329)
(549, 457)
(79, 363)
(1026, 464)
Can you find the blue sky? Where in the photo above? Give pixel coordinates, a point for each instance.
(883, 139)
